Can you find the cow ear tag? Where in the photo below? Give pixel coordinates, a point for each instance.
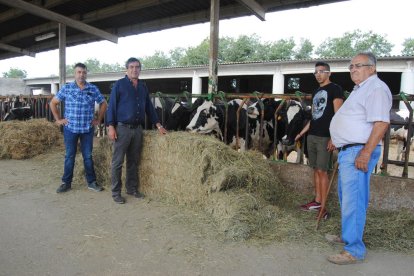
(279, 118)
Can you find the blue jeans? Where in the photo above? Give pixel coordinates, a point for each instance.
(353, 193)
(71, 144)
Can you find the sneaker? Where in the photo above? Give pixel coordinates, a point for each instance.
(311, 206)
(119, 199)
(63, 188)
(325, 215)
(136, 194)
(95, 187)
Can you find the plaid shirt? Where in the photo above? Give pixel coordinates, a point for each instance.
(79, 105)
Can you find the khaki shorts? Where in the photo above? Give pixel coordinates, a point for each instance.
(318, 155)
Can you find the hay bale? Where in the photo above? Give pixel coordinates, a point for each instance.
(203, 173)
(102, 157)
(241, 193)
(25, 139)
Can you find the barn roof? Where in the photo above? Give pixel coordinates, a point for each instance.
(31, 26)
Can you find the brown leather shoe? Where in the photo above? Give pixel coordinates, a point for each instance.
(334, 239)
(344, 258)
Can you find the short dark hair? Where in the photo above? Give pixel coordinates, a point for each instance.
(81, 65)
(324, 64)
(131, 60)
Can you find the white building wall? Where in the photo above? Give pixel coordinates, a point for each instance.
(197, 84)
(12, 86)
(407, 83)
(278, 86)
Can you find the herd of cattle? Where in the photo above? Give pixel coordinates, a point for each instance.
(268, 125)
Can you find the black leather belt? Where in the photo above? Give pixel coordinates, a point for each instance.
(131, 126)
(350, 145)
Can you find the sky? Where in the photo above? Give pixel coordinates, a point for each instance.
(392, 19)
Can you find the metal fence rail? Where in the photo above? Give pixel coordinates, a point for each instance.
(40, 109)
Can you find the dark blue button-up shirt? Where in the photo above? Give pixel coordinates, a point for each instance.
(129, 105)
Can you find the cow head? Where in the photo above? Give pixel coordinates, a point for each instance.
(294, 118)
(269, 105)
(180, 114)
(163, 108)
(207, 119)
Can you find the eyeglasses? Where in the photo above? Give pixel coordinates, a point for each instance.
(358, 66)
(320, 72)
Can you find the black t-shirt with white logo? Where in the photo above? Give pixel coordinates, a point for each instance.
(323, 108)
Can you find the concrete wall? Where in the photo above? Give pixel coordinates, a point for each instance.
(387, 193)
(10, 86)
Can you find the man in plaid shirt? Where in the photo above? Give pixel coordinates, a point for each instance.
(78, 123)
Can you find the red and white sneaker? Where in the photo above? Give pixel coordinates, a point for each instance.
(311, 206)
(325, 214)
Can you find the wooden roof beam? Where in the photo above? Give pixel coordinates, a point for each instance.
(254, 7)
(16, 50)
(41, 12)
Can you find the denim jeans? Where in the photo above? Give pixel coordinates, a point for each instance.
(71, 143)
(353, 193)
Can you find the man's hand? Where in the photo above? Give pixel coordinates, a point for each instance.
(330, 146)
(162, 130)
(361, 162)
(96, 122)
(112, 133)
(62, 122)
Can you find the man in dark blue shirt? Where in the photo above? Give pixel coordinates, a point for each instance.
(128, 104)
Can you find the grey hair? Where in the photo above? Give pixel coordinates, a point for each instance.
(371, 57)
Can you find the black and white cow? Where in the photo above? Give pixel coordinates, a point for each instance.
(400, 133)
(290, 120)
(18, 110)
(163, 107)
(181, 113)
(210, 118)
(263, 135)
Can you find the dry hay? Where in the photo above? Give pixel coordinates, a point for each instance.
(241, 193)
(102, 156)
(26, 139)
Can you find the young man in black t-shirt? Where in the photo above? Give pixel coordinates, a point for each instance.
(326, 100)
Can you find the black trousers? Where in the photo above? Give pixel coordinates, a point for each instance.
(129, 144)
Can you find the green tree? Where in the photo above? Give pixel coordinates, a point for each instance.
(304, 50)
(15, 73)
(280, 49)
(244, 48)
(176, 55)
(158, 60)
(353, 42)
(196, 55)
(95, 66)
(408, 45)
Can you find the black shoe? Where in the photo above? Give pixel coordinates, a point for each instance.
(136, 194)
(63, 188)
(119, 199)
(95, 187)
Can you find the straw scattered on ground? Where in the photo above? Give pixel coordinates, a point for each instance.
(241, 194)
(26, 139)
(238, 192)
